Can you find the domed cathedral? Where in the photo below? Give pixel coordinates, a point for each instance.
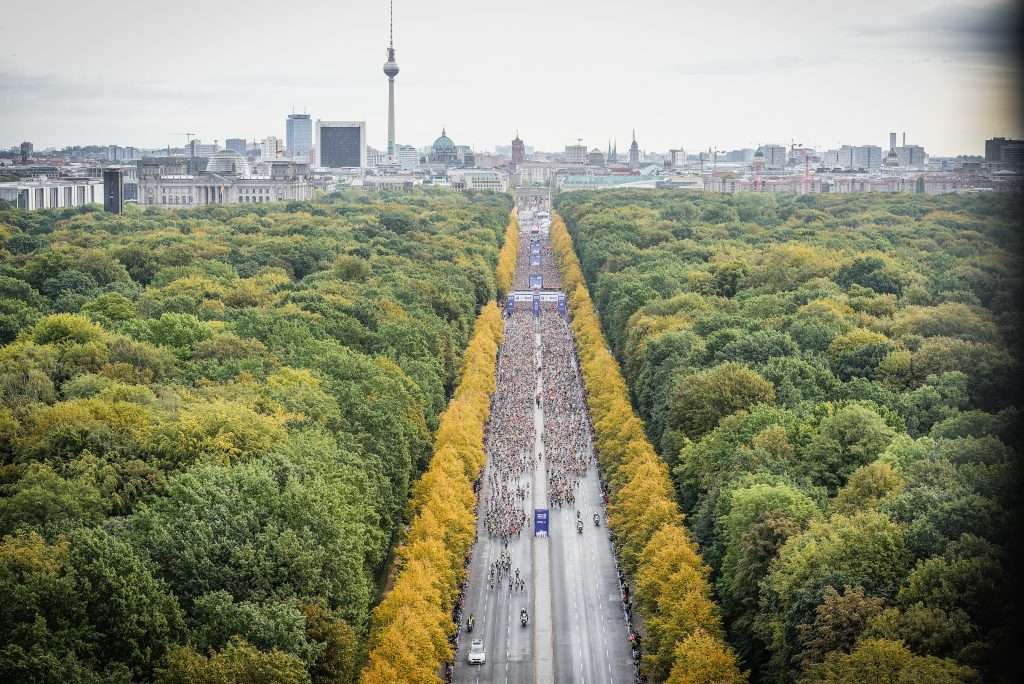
(443, 150)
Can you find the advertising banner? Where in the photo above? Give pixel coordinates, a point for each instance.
(540, 522)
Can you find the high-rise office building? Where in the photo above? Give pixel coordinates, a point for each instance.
(340, 144)
(26, 152)
(1005, 151)
(391, 70)
(298, 136)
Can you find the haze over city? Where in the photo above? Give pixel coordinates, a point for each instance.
(691, 75)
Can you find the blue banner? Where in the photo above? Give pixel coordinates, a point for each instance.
(536, 281)
(536, 305)
(510, 304)
(540, 522)
(561, 304)
(535, 260)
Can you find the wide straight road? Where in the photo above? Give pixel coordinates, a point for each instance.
(539, 455)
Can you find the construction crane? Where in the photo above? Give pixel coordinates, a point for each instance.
(188, 138)
(805, 152)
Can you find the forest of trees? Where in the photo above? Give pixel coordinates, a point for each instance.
(833, 384)
(210, 422)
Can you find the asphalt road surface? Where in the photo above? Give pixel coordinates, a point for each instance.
(583, 637)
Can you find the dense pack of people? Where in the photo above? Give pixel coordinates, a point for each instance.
(533, 247)
(566, 437)
(511, 434)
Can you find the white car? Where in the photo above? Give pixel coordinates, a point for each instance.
(476, 652)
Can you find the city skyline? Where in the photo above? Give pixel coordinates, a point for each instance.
(941, 71)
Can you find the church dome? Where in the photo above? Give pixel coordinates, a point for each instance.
(229, 162)
(444, 143)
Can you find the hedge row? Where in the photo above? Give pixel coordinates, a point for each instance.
(412, 624)
(507, 257)
(684, 641)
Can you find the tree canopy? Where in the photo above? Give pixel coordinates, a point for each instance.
(833, 383)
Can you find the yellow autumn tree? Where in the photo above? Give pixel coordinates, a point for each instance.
(507, 257)
(701, 659)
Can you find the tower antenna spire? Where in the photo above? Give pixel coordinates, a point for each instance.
(391, 70)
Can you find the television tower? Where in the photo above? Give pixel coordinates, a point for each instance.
(391, 70)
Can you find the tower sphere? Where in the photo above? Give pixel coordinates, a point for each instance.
(391, 68)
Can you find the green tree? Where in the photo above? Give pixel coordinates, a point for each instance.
(698, 401)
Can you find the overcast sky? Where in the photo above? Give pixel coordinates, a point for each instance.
(683, 73)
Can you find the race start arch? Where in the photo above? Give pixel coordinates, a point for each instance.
(521, 299)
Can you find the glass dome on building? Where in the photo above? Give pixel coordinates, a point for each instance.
(228, 162)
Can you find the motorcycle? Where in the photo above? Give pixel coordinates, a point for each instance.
(470, 623)
(597, 521)
(579, 527)
(523, 618)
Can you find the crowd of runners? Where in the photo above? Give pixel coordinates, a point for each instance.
(511, 433)
(535, 258)
(566, 437)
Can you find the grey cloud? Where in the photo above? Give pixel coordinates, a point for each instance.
(49, 87)
(967, 30)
